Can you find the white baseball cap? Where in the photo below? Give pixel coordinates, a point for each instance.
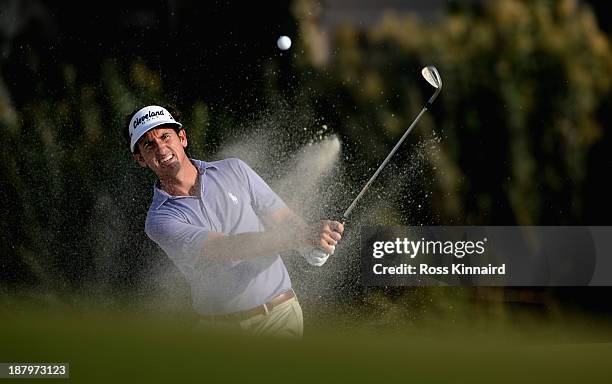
(146, 119)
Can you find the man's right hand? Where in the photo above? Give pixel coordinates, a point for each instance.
(327, 234)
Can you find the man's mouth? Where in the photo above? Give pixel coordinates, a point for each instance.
(166, 159)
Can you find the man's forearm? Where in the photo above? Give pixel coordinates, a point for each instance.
(284, 231)
(250, 245)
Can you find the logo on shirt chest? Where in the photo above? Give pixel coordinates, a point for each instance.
(233, 198)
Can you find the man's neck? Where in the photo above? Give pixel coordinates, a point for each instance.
(184, 183)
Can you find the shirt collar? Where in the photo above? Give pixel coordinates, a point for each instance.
(160, 196)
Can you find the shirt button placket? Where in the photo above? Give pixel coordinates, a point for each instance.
(212, 218)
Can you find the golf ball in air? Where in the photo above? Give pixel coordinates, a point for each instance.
(283, 42)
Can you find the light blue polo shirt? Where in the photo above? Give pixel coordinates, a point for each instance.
(232, 197)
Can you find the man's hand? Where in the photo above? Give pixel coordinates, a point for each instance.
(327, 234)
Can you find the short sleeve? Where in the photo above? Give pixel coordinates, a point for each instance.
(263, 199)
(182, 242)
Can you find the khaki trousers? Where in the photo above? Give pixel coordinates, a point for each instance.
(284, 320)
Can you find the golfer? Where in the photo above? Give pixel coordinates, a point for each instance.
(223, 227)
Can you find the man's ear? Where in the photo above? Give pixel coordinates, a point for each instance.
(139, 159)
(183, 137)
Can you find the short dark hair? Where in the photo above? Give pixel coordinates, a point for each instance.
(126, 125)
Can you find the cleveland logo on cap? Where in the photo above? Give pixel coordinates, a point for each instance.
(147, 116)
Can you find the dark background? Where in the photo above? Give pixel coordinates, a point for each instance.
(74, 203)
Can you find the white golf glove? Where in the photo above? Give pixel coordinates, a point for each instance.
(314, 256)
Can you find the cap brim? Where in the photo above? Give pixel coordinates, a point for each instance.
(140, 131)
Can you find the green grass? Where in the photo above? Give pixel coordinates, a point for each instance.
(105, 347)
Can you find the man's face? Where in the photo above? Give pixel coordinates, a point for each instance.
(162, 150)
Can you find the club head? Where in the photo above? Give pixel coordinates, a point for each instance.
(431, 74)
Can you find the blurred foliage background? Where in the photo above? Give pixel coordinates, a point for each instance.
(518, 136)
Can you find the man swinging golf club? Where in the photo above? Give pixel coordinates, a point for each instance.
(224, 228)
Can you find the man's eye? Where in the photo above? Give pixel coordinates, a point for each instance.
(165, 136)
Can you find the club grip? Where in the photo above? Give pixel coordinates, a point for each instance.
(338, 218)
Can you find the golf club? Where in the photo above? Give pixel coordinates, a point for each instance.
(431, 74)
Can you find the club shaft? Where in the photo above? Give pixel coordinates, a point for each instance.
(384, 163)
